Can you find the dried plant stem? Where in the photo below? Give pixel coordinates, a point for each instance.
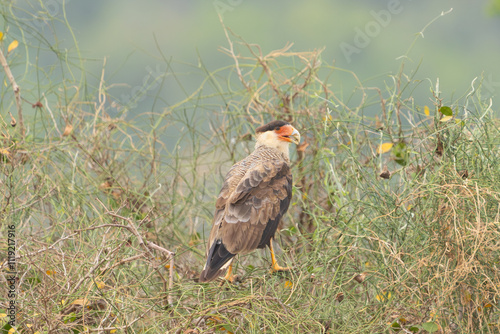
(235, 58)
(101, 329)
(51, 247)
(17, 92)
(148, 245)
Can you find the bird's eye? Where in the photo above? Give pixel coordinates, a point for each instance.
(277, 129)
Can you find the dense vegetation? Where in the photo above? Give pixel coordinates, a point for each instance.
(394, 224)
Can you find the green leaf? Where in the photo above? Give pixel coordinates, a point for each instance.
(401, 154)
(395, 324)
(5, 328)
(446, 111)
(69, 318)
(227, 328)
(292, 230)
(431, 327)
(33, 280)
(460, 122)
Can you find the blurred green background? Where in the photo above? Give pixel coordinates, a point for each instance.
(456, 48)
(143, 40)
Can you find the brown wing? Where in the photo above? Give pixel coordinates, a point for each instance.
(218, 257)
(254, 210)
(247, 218)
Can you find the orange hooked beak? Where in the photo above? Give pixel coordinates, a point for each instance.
(289, 133)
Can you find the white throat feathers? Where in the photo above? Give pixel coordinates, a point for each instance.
(270, 139)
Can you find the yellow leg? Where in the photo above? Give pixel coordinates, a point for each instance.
(229, 275)
(275, 267)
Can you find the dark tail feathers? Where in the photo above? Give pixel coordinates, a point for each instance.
(218, 256)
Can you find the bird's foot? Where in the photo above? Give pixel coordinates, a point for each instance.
(230, 279)
(277, 268)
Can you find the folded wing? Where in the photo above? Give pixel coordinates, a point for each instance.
(248, 212)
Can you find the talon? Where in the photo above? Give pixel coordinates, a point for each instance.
(229, 276)
(275, 267)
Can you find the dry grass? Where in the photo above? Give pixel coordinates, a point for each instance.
(99, 200)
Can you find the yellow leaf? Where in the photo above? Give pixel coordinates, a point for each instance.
(3, 315)
(67, 130)
(5, 152)
(426, 111)
(29, 325)
(288, 285)
(113, 331)
(1, 35)
(214, 320)
(488, 305)
(63, 302)
(100, 284)
(384, 148)
(446, 118)
(50, 272)
(383, 296)
(12, 330)
(12, 46)
(81, 302)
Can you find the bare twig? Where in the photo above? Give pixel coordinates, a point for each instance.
(47, 107)
(131, 227)
(98, 262)
(102, 226)
(45, 249)
(155, 246)
(128, 259)
(148, 245)
(230, 51)
(17, 92)
(170, 281)
(101, 329)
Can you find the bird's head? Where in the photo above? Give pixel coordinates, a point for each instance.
(277, 134)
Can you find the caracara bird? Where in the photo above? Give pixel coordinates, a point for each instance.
(255, 196)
